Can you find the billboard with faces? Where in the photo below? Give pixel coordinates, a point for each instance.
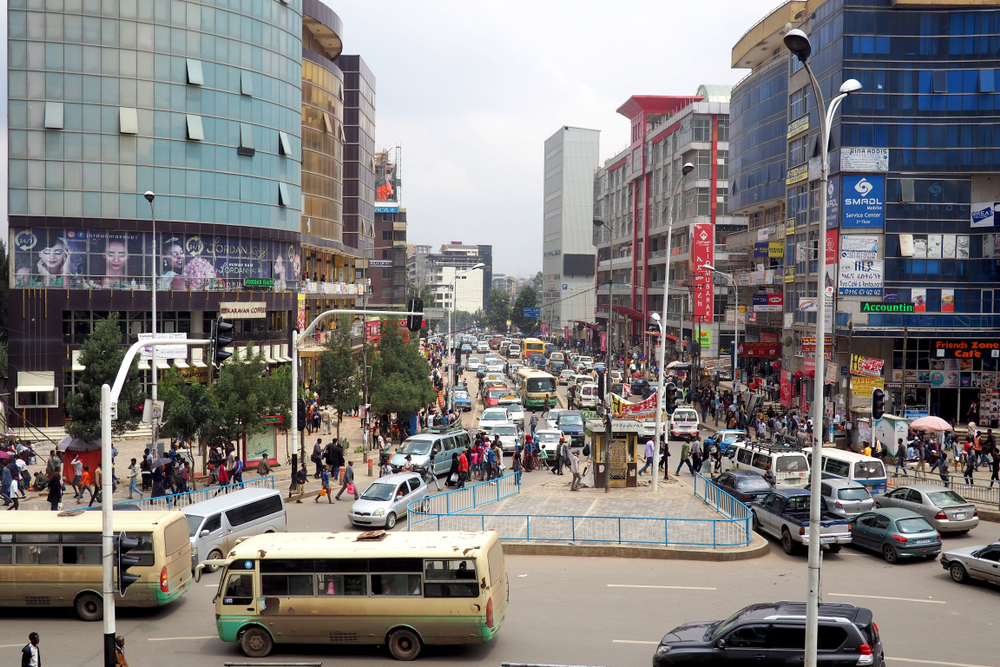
(130, 260)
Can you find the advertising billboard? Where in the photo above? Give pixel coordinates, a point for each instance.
(702, 253)
(386, 183)
(84, 259)
(863, 202)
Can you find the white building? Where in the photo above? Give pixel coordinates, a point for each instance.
(569, 259)
(468, 292)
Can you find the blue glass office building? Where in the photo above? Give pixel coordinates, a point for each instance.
(925, 130)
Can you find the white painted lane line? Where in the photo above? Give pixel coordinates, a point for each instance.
(166, 639)
(883, 597)
(673, 588)
(12, 645)
(637, 641)
(934, 662)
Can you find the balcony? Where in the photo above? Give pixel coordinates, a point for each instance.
(624, 260)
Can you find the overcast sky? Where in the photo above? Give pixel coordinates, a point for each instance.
(471, 90)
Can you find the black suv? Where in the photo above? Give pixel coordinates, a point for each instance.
(775, 634)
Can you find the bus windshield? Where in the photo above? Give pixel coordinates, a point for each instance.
(541, 384)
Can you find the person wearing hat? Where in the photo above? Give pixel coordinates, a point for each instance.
(561, 455)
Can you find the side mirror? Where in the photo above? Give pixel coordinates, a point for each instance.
(720, 644)
(203, 533)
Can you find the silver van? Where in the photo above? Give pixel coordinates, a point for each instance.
(444, 442)
(217, 523)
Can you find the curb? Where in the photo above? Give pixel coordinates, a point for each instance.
(993, 516)
(758, 548)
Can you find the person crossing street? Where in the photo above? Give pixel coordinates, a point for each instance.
(348, 481)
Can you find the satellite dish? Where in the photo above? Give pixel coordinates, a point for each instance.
(788, 341)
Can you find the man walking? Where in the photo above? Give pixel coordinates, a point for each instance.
(325, 484)
(557, 465)
(574, 467)
(338, 459)
(348, 481)
(133, 479)
(685, 458)
(463, 468)
(534, 423)
(98, 485)
(317, 457)
(77, 477)
(301, 477)
(30, 654)
(650, 450)
(429, 472)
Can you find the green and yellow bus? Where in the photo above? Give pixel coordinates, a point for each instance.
(531, 346)
(537, 389)
(403, 590)
(54, 560)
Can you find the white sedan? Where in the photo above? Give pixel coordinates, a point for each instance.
(473, 363)
(548, 440)
(491, 417)
(552, 416)
(510, 436)
(514, 407)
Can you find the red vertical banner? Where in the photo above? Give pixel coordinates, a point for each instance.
(832, 261)
(702, 253)
(566, 332)
(604, 341)
(786, 389)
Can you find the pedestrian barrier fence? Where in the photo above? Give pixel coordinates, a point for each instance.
(974, 493)
(176, 500)
(436, 513)
(465, 498)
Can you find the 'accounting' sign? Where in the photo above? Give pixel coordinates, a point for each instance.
(243, 310)
(879, 307)
(967, 349)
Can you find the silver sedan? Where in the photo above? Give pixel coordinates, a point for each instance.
(385, 500)
(944, 509)
(982, 562)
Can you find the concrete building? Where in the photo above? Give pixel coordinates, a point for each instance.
(387, 266)
(508, 284)
(568, 259)
(439, 269)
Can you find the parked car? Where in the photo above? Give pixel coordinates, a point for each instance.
(491, 417)
(775, 634)
(510, 435)
(896, 533)
(617, 376)
(744, 485)
(844, 498)
(982, 563)
(784, 514)
(947, 511)
(385, 500)
(463, 402)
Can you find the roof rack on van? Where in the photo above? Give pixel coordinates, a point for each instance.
(768, 446)
(444, 429)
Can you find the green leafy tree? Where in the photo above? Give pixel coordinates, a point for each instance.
(537, 281)
(526, 298)
(400, 379)
(102, 354)
(497, 309)
(339, 382)
(243, 393)
(187, 407)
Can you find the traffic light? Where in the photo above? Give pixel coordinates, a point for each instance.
(300, 416)
(415, 322)
(878, 403)
(670, 397)
(123, 545)
(222, 337)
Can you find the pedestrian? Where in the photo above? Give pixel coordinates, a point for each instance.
(970, 469)
(574, 467)
(769, 475)
(557, 465)
(695, 459)
(77, 476)
(943, 470)
(534, 423)
(317, 457)
(85, 485)
(120, 660)
(685, 454)
(338, 459)
(238, 471)
(133, 479)
(324, 480)
(650, 450)
(30, 654)
(347, 484)
(463, 467)
(301, 477)
(430, 472)
(55, 495)
(901, 457)
(13, 491)
(995, 466)
(98, 485)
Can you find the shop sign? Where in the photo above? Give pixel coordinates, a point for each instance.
(833, 202)
(966, 349)
(380, 263)
(789, 226)
(768, 303)
(258, 283)
(768, 350)
(243, 310)
(984, 214)
(879, 307)
(809, 344)
(797, 174)
(702, 253)
(705, 339)
(861, 365)
(776, 249)
(164, 351)
(860, 277)
(786, 389)
(789, 274)
(864, 159)
(862, 388)
(859, 247)
(798, 126)
(760, 250)
(863, 202)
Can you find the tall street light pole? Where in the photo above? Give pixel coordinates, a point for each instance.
(605, 457)
(661, 355)
(451, 349)
(798, 44)
(736, 325)
(152, 213)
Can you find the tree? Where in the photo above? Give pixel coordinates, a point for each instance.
(537, 281)
(187, 407)
(102, 354)
(497, 309)
(243, 393)
(400, 379)
(526, 298)
(339, 383)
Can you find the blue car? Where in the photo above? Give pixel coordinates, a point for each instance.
(466, 348)
(725, 437)
(463, 401)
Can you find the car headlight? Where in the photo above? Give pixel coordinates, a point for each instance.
(378, 513)
(662, 649)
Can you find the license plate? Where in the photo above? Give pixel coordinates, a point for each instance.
(959, 515)
(826, 540)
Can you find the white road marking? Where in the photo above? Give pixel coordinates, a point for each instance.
(167, 639)
(935, 662)
(883, 597)
(11, 645)
(637, 641)
(673, 588)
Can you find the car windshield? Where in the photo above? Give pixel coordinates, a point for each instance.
(946, 499)
(570, 420)
(916, 524)
(541, 384)
(753, 484)
(512, 406)
(461, 396)
(730, 437)
(792, 463)
(490, 416)
(685, 416)
(472, 360)
(379, 491)
(722, 627)
(505, 430)
(194, 522)
(868, 470)
(419, 447)
(548, 437)
(498, 391)
(853, 494)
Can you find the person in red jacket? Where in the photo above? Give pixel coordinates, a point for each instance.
(463, 467)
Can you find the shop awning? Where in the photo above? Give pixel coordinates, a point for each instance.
(144, 365)
(589, 325)
(162, 364)
(656, 334)
(180, 363)
(630, 312)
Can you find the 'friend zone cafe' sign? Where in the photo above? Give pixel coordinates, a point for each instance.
(966, 349)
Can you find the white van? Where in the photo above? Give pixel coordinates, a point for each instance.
(587, 396)
(514, 351)
(216, 524)
(867, 471)
(789, 465)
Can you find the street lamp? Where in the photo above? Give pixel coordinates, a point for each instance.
(660, 357)
(152, 213)
(798, 44)
(736, 325)
(605, 459)
(451, 349)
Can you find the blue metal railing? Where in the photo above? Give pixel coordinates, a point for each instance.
(460, 500)
(175, 500)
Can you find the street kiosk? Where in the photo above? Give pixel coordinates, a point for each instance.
(625, 453)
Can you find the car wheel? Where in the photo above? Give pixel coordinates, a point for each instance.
(390, 521)
(958, 573)
(890, 555)
(404, 644)
(786, 542)
(256, 642)
(835, 548)
(214, 554)
(89, 607)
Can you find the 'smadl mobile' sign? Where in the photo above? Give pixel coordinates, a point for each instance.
(863, 199)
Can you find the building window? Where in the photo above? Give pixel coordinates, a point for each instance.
(195, 131)
(246, 135)
(722, 166)
(128, 120)
(195, 76)
(53, 115)
(283, 199)
(703, 128)
(284, 144)
(246, 83)
(326, 123)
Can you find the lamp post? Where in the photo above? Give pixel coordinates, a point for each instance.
(451, 349)
(798, 44)
(152, 213)
(736, 325)
(660, 357)
(605, 458)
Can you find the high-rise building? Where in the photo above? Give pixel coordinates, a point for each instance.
(439, 270)
(568, 259)
(911, 229)
(633, 194)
